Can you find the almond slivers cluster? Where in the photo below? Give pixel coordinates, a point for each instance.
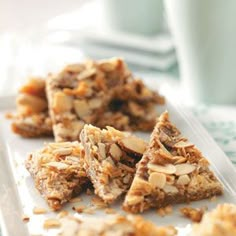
(110, 159)
(58, 172)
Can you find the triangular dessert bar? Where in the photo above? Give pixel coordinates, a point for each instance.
(58, 172)
(110, 159)
(172, 170)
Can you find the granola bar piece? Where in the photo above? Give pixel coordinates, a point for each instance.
(80, 93)
(58, 172)
(172, 170)
(116, 225)
(110, 159)
(94, 92)
(32, 119)
(218, 222)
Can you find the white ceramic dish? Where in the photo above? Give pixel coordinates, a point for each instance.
(18, 195)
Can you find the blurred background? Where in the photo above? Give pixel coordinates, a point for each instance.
(186, 45)
(37, 37)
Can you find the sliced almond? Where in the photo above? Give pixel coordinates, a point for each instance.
(51, 223)
(185, 168)
(115, 151)
(73, 159)
(179, 159)
(60, 145)
(142, 185)
(74, 68)
(164, 149)
(62, 151)
(94, 103)
(39, 210)
(114, 132)
(132, 200)
(61, 102)
(133, 144)
(157, 180)
(183, 144)
(108, 65)
(102, 150)
(57, 165)
(81, 108)
(183, 180)
(86, 73)
(170, 189)
(166, 169)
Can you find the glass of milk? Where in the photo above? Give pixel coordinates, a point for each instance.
(143, 17)
(204, 32)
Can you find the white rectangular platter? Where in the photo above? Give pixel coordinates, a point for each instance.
(18, 195)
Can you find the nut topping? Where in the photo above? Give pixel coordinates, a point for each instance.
(157, 180)
(183, 180)
(81, 108)
(115, 151)
(61, 102)
(94, 103)
(170, 189)
(57, 165)
(185, 168)
(166, 169)
(182, 144)
(108, 65)
(102, 150)
(62, 151)
(132, 200)
(86, 74)
(133, 144)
